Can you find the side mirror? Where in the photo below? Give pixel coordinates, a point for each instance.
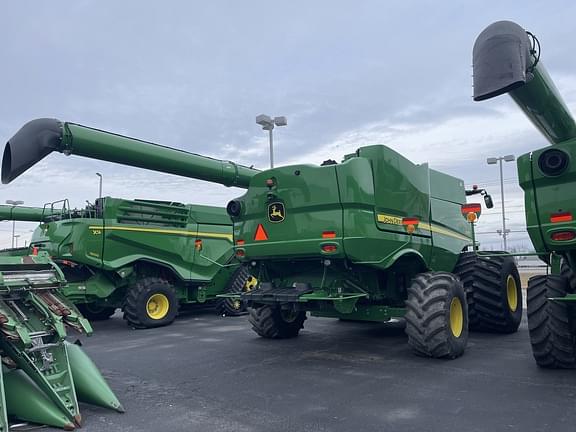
(488, 201)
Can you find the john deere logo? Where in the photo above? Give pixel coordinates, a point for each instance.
(276, 212)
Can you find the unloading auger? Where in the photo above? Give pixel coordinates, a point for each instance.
(43, 377)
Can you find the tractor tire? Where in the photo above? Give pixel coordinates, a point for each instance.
(437, 315)
(493, 291)
(552, 331)
(241, 281)
(466, 269)
(95, 313)
(151, 302)
(273, 323)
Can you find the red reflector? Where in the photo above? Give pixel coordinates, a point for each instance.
(240, 252)
(329, 248)
(198, 244)
(563, 236)
(470, 208)
(260, 233)
(240, 242)
(329, 234)
(561, 217)
(34, 250)
(410, 221)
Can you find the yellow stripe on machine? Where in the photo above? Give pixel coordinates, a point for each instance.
(397, 220)
(166, 231)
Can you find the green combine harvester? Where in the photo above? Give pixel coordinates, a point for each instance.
(506, 59)
(372, 238)
(43, 376)
(146, 257)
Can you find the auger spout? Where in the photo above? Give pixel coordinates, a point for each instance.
(506, 59)
(38, 138)
(27, 214)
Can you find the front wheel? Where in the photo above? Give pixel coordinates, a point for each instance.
(494, 292)
(151, 302)
(274, 323)
(437, 315)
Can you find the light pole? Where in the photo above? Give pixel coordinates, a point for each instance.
(16, 237)
(493, 161)
(268, 124)
(14, 203)
(99, 185)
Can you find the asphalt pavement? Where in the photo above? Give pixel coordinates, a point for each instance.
(209, 373)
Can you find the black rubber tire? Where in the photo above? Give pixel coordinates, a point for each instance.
(236, 284)
(135, 312)
(430, 297)
(466, 269)
(269, 322)
(568, 273)
(95, 313)
(552, 331)
(485, 281)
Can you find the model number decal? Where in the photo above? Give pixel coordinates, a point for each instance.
(389, 219)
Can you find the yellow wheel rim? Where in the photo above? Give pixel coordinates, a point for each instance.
(512, 293)
(456, 317)
(236, 304)
(250, 283)
(157, 306)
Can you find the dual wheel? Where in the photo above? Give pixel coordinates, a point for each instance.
(483, 294)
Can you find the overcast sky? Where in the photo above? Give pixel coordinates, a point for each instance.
(194, 75)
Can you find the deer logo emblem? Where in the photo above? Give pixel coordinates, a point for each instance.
(276, 212)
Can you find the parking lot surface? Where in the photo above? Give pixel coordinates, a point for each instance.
(209, 373)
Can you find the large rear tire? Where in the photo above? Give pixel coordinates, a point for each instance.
(93, 312)
(241, 281)
(437, 315)
(551, 327)
(493, 291)
(151, 302)
(274, 323)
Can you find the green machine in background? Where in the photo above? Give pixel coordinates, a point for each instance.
(43, 377)
(147, 257)
(142, 255)
(507, 60)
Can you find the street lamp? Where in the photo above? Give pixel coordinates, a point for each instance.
(268, 124)
(14, 203)
(494, 161)
(99, 185)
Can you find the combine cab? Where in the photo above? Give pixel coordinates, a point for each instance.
(373, 238)
(507, 60)
(43, 376)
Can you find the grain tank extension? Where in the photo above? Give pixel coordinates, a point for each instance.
(507, 59)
